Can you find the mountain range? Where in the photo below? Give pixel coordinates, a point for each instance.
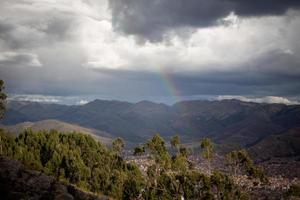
(226, 121)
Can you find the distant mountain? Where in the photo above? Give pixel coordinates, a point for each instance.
(104, 137)
(237, 122)
(226, 121)
(286, 144)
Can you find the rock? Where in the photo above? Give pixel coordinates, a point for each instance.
(64, 196)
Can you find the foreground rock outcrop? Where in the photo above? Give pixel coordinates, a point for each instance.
(17, 182)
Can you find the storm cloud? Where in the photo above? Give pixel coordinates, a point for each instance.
(151, 20)
(138, 49)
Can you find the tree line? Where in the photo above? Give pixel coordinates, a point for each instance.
(81, 160)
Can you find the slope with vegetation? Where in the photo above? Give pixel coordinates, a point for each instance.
(80, 160)
(74, 158)
(17, 182)
(60, 126)
(285, 144)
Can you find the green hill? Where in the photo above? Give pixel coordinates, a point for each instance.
(60, 126)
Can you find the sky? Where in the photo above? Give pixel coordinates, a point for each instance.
(73, 51)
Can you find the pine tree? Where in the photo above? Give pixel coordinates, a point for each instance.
(2, 98)
(139, 150)
(118, 145)
(175, 142)
(207, 151)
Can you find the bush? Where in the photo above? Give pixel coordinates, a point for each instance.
(294, 191)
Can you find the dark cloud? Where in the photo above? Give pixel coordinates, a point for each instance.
(125, 84)
(5, 28)
(62, 82)
(261, 8)
(239, 83)
(151, 20)
(275, 73)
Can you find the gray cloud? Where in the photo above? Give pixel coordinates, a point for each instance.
(15, 36)
(8, 59)
(40, 30)
(151, 20)
(82, 55)
(124, 84)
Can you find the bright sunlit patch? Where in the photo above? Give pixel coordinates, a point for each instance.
(82, 102)
(266, 99)
(35, 98)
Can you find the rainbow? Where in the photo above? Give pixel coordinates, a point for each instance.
(169, 84)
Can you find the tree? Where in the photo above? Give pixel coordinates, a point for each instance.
(2, 98)
(232, 160)
(139, 150)
(134, 184)
(175, 142)
(118, 145)
(240, 160)
(2, 108)
(207, 151)
(159, 151)
(180, 163)
(180, 160)
(161, 157)
(293, 191)
(184, 151)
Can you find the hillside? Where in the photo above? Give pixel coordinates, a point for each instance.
(59, 126)
(17, 182)
(226, 121)
(286, 144)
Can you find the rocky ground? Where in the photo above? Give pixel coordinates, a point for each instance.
(16, 183)
(282, 174)
(284, 167)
